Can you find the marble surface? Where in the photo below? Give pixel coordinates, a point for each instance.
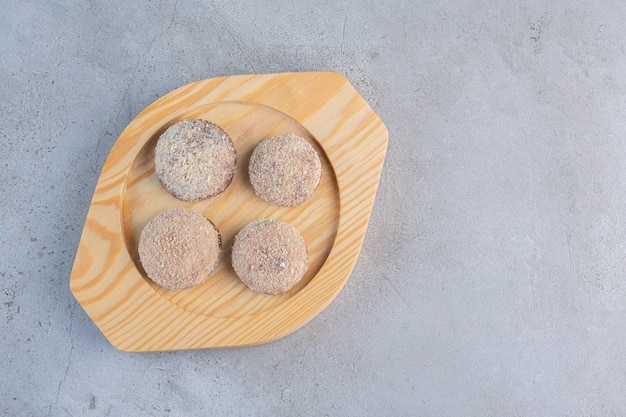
(492, 280)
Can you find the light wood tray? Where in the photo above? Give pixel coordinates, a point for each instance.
(137, 315)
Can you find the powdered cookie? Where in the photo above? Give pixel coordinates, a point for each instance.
(285, 170)
(269, 256)
(179, 248)
(195, 159)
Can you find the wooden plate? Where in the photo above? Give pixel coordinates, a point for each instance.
(135, 314)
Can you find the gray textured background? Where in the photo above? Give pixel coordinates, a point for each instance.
(492, 278)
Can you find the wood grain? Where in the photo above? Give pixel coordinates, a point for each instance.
(136, 314)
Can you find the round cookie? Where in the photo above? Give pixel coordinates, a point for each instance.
(194, 160)
(269, 256)
(285, 170)
(179, 248)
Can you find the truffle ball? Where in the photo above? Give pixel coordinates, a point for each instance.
(179, 248)
(285, 170)
(194, 160)
(269, 256)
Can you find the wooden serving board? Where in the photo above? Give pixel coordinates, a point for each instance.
(137, 315)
